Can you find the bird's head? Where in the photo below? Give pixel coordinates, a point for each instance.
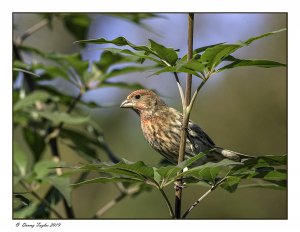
(143, 101)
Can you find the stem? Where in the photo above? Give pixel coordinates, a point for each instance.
(24, 185)
(32, 30)
(168, 202)
(213, 187)
(52, 135)
(180, 90)
(190, 106)
(179, 182)
(109, 205)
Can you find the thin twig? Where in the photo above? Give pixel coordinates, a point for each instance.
(109, 205)
(168, 202)
(180, 90)
(179, 183)
(213, 187)
(52, 141)
(44, 22)
(33, 193)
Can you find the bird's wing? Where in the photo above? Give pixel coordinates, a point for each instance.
(199, 140)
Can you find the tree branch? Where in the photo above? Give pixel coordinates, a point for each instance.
(24, 185)
(179, 182)
(44, 22)
(213, 187)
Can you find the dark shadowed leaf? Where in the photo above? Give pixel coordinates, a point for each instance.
(231, 183)
(119, 41)
(62, 184)
(109, 58)
(77, 24)
(35, 141)
(136, 18)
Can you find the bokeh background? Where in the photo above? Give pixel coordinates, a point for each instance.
(244, 109)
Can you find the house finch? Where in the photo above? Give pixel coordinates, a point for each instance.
(162, 125)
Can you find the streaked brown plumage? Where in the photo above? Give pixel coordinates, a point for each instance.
(161, 126)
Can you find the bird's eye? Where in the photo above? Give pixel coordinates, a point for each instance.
(137, 96)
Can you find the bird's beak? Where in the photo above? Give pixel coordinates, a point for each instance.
(126, 104)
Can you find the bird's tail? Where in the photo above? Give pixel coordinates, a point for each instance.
(232, 155)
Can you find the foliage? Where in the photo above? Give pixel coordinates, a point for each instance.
(44, 114)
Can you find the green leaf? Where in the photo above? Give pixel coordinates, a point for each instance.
(44, 168)
(199, 50)
(25, 71)
(168, 173)
(53, 197)
(137, 170)
(136, 18)
(263, 185)
(210, 171)
(119, 41)
(125, 85)
(81, 143)
(31, 99)
(163, 70)
(107, 180)
(167, 54)
(35, 141)
(125, 70)
(70, 61)
(231, 183)
(26, 212)
(140, 55)
(77, 24)
(276, 175)
(62, 184)
(256, 63)
(250, 40)
(216, 54)
(109, 58)
(190, 161)
(58, 117)
(20, 159)
(49, 71)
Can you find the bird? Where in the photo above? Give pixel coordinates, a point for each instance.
(162, 125)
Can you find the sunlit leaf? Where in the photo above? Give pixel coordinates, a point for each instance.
(167, 54)
(215, 55)
(44, 168)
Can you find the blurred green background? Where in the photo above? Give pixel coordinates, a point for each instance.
(244, 109)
